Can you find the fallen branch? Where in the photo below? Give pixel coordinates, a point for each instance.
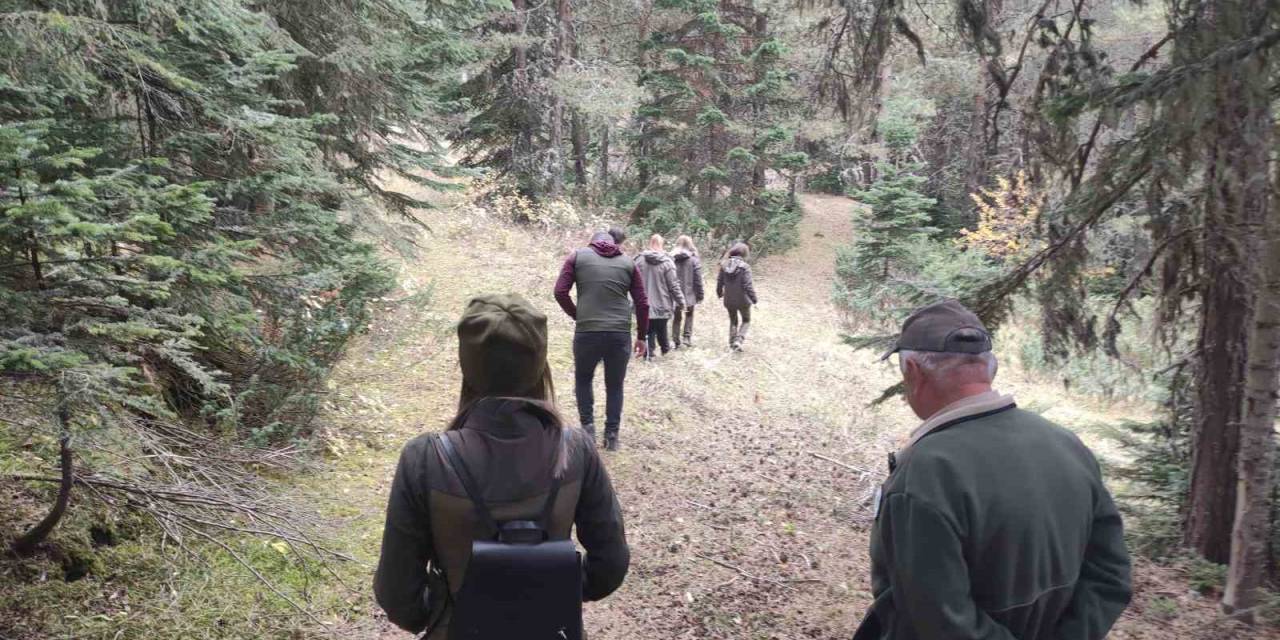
(784, 582)
(838, 463)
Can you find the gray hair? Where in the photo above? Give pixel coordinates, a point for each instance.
(936, 363)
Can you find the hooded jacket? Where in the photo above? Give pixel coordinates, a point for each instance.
(734, 284)
(658, 271)
(995, 525)
(689, 273)
(431, 523)
(604, 279)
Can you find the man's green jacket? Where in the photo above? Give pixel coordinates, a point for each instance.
(996, 526)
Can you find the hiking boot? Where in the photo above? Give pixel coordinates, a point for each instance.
(688, 342)
(611, 442)
(591, 431)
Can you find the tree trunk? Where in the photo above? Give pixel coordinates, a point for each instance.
(603, 178)
(1249, 537)
(1238, 141)
(26, 543)
(976, 167)
(522, 161)
(577, 124)
(554, 168)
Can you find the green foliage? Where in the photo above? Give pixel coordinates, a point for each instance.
(1155, 477)
(176, 178)
(712, 134)
(896, 214)
(828, 180)
(179, 201)
(922, 271)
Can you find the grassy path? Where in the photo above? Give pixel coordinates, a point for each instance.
(745, 478)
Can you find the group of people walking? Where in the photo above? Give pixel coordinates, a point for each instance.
(993, 522)
(674, 284)
(662, 290)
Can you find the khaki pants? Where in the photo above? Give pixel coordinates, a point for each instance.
(683, 319)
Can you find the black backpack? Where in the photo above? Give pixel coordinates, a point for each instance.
(519, 584)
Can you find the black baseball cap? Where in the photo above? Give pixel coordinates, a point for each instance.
(937, 328)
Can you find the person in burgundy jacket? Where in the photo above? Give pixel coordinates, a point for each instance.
(605, 278)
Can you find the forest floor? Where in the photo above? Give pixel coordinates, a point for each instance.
(746, 478)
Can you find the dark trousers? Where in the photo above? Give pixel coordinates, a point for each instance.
(738, 333)
(658, 334)
(683, 320)
(589, 350)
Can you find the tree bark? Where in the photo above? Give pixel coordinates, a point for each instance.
(522, 152)
(578, 133)
(554, 168)
(577, 124)
(603, 178)
(26, 543)
(1238, 141)
(1249, 537)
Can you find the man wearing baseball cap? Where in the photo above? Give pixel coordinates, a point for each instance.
(994, 523)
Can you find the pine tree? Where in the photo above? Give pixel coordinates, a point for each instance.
(896, 215)
(713, 130)
(178, 194)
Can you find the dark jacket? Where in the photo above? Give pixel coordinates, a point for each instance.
(734, 284)
(660, 283)
(604, 278)
(996, 526)
(508, 445)
(689, 273)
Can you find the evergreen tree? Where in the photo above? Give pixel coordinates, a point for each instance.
(896, 214)
(714, 129)
(176, 237)
(512, 101)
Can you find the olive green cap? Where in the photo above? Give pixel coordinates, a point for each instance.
(502, 347)
(934, 328)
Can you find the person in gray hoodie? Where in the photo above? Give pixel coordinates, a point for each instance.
(689, 271)
(734, 285)
(658, 272)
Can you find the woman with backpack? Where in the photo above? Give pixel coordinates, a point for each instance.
(663, 288)
(476, 543)
(734, 285)
(689, 273)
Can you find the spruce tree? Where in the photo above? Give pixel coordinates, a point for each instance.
(713, 130)
(896, 215)
(179, 186)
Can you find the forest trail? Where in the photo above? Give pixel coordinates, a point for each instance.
(746, 478)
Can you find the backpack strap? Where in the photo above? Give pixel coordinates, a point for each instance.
(473, 491)
(468, 483)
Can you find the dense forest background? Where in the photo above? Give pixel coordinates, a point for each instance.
(197, 215)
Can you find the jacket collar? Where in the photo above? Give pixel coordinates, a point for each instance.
(505, 417)
(964, 408)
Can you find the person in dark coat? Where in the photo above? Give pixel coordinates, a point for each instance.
(735, 286)
(604, 278)
(662, 285)
(510, 434)
(994, 523)
(689, 273)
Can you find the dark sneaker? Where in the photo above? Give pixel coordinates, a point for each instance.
(611, 443)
